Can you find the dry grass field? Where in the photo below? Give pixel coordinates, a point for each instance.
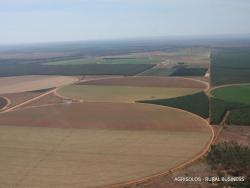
(29, 83)
(93, 144)
(92, 93)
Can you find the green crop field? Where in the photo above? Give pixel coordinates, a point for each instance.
(230, 65)
(122, 93)
(137, 60)
(84, 69)
(239, 116)
(189, 72)
(196, 103)
(237, 94)
(236, 99)
(158, 72)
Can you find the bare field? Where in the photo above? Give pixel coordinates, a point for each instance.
(48, 100)
(98, 93)
(121, 116)
(18, 98)
(108, 148)
(29, 83)
(147, 81)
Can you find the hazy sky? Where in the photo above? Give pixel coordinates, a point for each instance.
(25, 21)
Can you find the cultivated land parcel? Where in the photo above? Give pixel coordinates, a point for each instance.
(96, 129)
(104, 139)
(72, 143)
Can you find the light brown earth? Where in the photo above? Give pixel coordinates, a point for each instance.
(48, 100)
(100, 143)
(170, 82)
(78, 158)
(29, 83)
(18, 98)
(121, 116)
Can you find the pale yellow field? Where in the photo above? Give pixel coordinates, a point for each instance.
(33, 157)
(28, 83)
(100, 93)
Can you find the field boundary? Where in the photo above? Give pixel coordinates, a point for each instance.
(26, 102)
(146, 179)
(179, 167)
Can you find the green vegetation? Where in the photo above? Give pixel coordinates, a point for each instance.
(121, 93)
(239, 117)
(84, 69)
(230, 65)
(220, 107)
(238, 94)
(114, 60)
(190, 72)
(196, 103)
(158, 72)
(231, 159)
(233, 98)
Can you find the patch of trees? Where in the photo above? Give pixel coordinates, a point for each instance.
(231, 159)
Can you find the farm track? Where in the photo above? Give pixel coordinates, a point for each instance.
(148, 178)
(28, 101)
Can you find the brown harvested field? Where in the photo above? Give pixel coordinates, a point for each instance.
(121, 116)
(94, 144)
(48, 100)
(18, 98)
(147, 81)
(29, 83)
(3, 102)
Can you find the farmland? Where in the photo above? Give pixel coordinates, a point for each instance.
(234, 99)
(158, 72)
(110, 117)
(30, 83)
(73, 70)
(131, 89)
(230, 65)
(121, 93)
(146, 81)
(189, 72)
(237, 94)
(111, 60)
(199, 107)
(95, 138)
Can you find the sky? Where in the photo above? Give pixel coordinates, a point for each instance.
(31, 21)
